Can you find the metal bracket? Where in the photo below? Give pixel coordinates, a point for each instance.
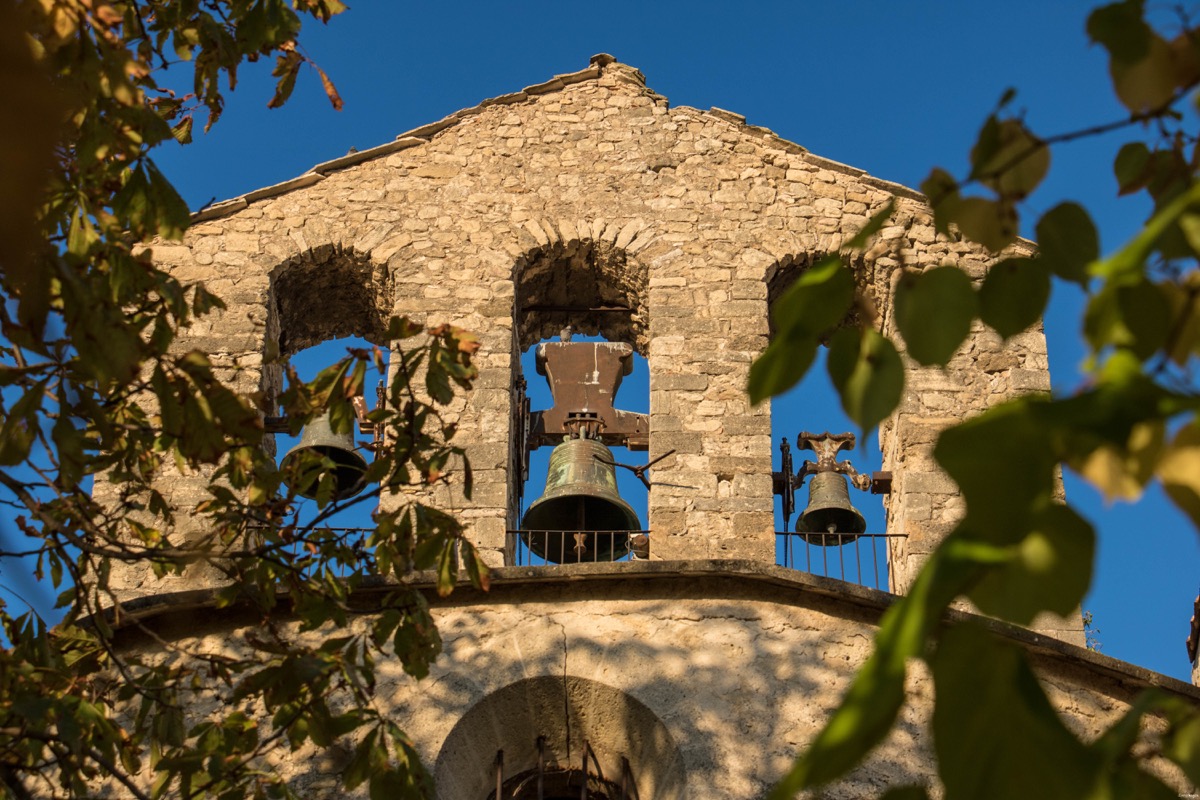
(281, 423)
(584, 378)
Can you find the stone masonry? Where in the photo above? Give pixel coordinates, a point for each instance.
(591, 190)
(700, 673)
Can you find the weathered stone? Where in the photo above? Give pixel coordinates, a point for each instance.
(571, 196)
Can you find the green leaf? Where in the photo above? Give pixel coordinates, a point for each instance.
(1185, 315)
(171, 215)
(1179, 470)
(1130, 261)
(816, 301)
(942, 190)
(1049, 570)
(934, 312)
(1182, 744)
(991, 223)
(365, 760)
(477, 569)
(1067, 242)
(1003, 489)
(1132, 167)
(781, 366)
(869, 708)
(1146, 314)
(287, 67)
(447, 567)
(995, 733)
(1009, 159)
(1148, 83)
(1121, 29)
(1134, 316)
(1014, 295)
(868, 374)
(1122, 470)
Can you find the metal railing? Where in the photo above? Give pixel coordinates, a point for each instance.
(861, 559)
(542, 548)
(550, 779)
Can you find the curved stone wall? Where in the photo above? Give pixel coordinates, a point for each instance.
(709, 675)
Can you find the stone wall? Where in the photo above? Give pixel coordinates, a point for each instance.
(590, 190)
(709, 677)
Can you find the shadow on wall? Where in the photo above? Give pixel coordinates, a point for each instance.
(716, 694)
(571, 714)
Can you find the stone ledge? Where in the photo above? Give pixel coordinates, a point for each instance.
(702, 578)
(221, 209)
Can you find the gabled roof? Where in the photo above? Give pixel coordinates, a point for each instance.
(600, 64)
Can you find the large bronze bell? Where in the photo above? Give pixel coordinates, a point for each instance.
(318, 440)
(581, 517)
(829, 518)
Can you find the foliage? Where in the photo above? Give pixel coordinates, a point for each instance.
(1091, 632)
(1018, 550)
(94, 388)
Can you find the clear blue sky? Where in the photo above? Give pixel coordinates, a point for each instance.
(892, 88)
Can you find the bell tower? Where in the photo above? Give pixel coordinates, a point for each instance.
(586, 208)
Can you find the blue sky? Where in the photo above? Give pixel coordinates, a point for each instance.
(892, 88)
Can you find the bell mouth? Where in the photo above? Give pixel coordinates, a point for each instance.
(830, 520)
(348, 471)
(580, 517)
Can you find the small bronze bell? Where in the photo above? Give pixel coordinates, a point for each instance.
(580, 517)
(829, 519)
(318, 440)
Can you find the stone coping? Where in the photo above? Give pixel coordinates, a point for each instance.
(701, 578)
(600, 63)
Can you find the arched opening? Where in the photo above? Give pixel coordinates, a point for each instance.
(567, 729)
(579, 336)
(349, 518)
(322, 308)
(832, 528)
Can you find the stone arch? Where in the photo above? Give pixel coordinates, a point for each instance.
(569, 712)
(582, 266)
(328, 293)
(783, 273)
(818, 412)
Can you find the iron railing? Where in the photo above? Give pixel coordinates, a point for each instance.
(541, 548)
(861, 559)
(549, 779)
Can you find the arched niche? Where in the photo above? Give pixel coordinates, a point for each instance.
(569, 713)
(784, 272)
(328, 293)
(592, 285)
(596, 288)
(812, 405)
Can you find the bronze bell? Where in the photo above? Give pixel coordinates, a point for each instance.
(318, 439)
(580, 517)
(829, 519)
